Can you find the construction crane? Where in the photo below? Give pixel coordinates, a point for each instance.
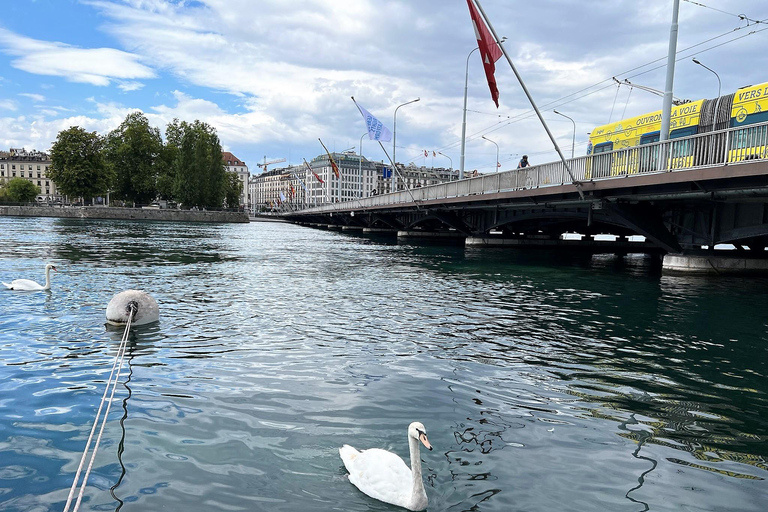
(265, 164)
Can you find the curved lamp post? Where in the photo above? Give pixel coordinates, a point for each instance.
(573, 145)
(394, 143)
(717, 103)
(497, 152)
(449, 158)
(464, 120)
(360, 166)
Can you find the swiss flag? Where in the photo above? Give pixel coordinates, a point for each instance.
(489, 50)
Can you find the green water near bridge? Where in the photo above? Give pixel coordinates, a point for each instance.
(545, 381)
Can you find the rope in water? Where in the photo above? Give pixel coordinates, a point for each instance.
(118, 364)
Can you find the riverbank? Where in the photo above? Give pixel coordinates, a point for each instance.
(102, 212)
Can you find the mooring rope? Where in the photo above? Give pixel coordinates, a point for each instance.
(132, 307)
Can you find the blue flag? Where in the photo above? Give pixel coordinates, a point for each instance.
(376, 130)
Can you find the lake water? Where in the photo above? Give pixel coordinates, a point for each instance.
(545, 381)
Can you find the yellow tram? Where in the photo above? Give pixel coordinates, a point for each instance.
(747, 106)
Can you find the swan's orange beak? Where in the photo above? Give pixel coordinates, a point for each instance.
(425, 441)
(53, 268)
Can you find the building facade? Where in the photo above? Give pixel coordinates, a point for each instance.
(411, 177)
(315, 184)
(358, 178)
(236, 165)
(32, 166)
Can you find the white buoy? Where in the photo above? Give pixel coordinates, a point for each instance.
(119, 308)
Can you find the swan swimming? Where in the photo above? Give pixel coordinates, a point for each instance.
(384, 476)
(29, 285)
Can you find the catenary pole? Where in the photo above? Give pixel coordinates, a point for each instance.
(666, 109)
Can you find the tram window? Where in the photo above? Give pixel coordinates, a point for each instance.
(682, 132)
(603, 148)
(649, 138)
(683, 147)
(749, 137)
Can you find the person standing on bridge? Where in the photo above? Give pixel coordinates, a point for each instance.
(523, 162)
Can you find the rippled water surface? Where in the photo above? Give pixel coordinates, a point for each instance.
(546, 382)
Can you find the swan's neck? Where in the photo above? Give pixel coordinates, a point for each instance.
(418, 494)
(48, 280)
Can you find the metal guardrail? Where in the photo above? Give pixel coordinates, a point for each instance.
(730, 146)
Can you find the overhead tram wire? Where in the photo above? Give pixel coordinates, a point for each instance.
(561, 101)
(740, 16)
(557, 103)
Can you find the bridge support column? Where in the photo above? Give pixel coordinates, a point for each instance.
(380, 230)
(714, 264)
(432, 235)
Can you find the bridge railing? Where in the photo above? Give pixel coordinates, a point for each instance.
(729, 146)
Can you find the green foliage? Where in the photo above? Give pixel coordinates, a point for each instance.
(197, 172)
(133, 163)
(77, 164)
(233, 189)
(132, 154)
(20, 190)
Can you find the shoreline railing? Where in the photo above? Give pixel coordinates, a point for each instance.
(723, 147)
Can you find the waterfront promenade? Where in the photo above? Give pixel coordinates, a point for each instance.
(113, 213)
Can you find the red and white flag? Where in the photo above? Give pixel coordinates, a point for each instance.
(313, 172)
(334, 167)
(489, 50)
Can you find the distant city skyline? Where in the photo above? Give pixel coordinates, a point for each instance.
(273, 77)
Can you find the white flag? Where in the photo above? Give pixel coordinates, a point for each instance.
(376, 130)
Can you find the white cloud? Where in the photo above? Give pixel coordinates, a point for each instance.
(130, 86)
(274, 76)
(96, 66)
(34, 97)
(8, 105)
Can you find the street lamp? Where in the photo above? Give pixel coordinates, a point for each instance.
(497, 152)
(360, 166)
(717, 103)
(464, 120)
(394, 144)
(573, 145)
(449, 158)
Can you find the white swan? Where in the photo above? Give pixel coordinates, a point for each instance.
(29, 285)
(383, 475)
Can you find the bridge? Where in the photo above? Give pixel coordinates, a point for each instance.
(683, 198)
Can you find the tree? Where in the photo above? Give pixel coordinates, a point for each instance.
(132, 154)
(77, 164)
(196, 168)
(21, 190)
(233, 189)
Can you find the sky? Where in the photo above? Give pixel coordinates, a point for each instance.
(274, 76)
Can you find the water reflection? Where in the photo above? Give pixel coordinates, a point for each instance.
(543, 380)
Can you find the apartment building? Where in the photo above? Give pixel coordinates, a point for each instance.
(236, 165)
(32, 166)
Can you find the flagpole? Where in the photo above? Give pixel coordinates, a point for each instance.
(335, 168)
(533, 103)
(323, 184)
(405, 184)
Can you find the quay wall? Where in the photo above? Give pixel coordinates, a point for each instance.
(102, 212)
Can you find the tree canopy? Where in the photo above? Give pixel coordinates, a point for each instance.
(21, 190)
(135, 165)
(195, 164)
(77, 164)
(132, 154)
(233, 190)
